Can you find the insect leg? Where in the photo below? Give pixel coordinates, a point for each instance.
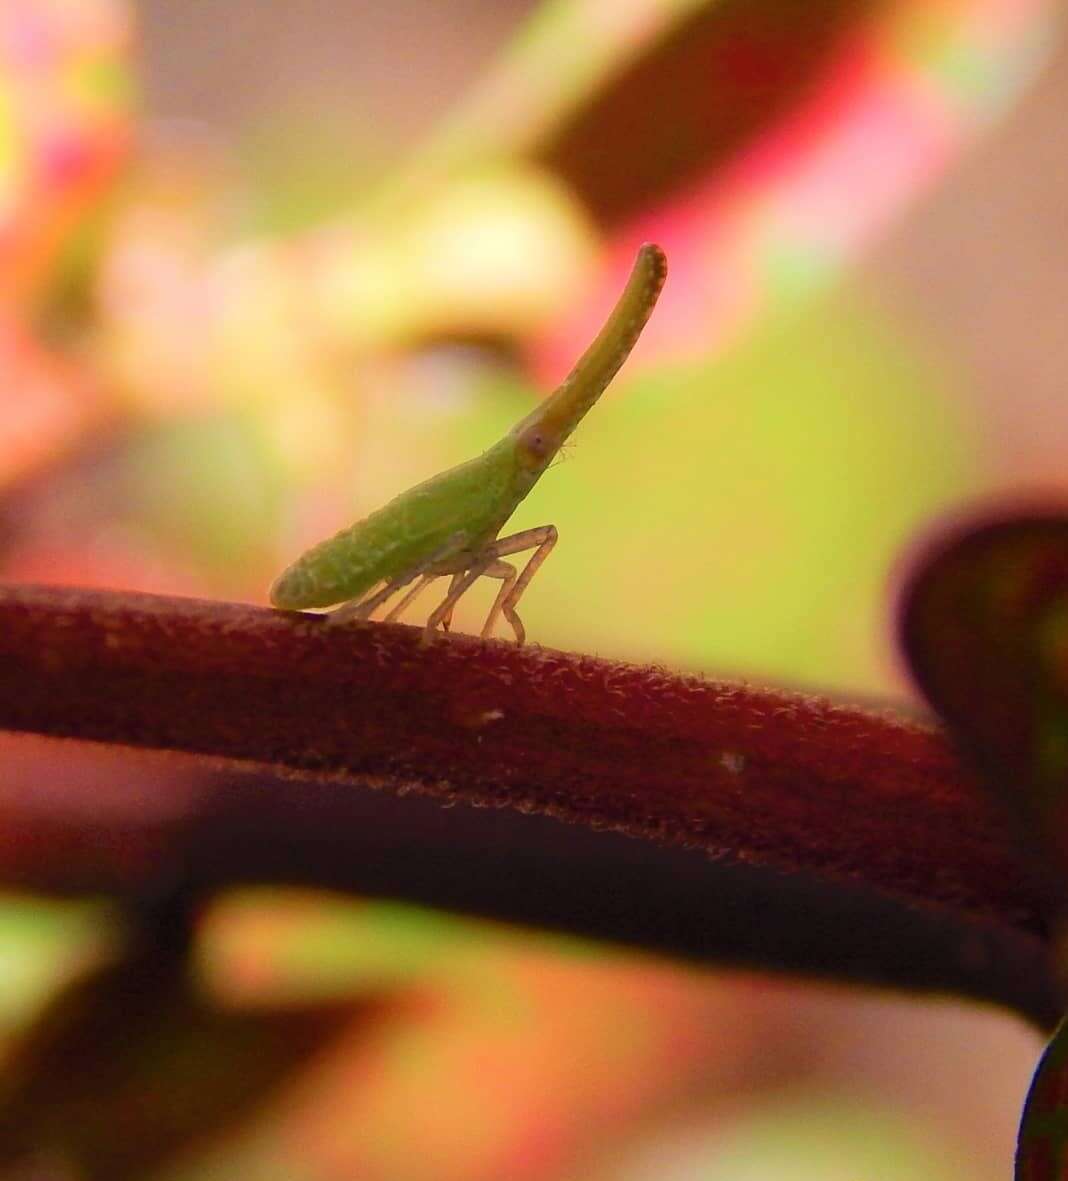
(543, 538)
(446, 619)
(500, 570)
(409, 598)
(460, 585)
(507, 575)
(364, 608)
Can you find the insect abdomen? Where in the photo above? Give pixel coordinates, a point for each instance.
(426, 524)
(343, 567)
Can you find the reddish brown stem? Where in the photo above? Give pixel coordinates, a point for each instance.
(855, 841)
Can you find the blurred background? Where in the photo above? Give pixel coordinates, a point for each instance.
(262, 268)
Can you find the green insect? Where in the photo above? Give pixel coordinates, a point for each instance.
(449, 524)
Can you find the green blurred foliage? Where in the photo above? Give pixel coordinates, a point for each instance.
(41, 943)
(208, 489)
(807, 1138)
(297, 169)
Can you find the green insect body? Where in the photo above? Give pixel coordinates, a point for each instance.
(449, 524)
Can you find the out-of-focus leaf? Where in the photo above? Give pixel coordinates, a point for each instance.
(828, 150)
(277, 945)
(1042, 1147)
(131, 1065)
(558, 62)
(694, 98)
(800, 1138)
(492, 251)
(43, 940)
(984, 623)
